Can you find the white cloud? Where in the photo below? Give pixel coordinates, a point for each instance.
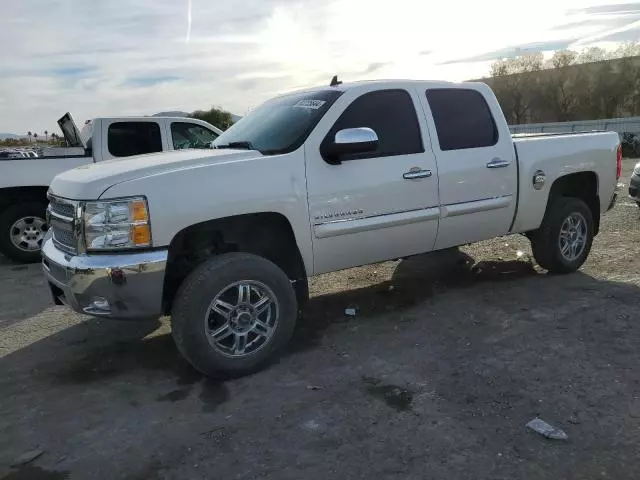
(127, 57)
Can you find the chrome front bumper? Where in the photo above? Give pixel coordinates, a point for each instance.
(123, 285)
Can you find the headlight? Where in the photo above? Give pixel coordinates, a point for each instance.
(117, 224)
(636, 170)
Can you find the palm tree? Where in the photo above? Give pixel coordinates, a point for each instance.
(46, 135)
(29, 134)
(35, 137)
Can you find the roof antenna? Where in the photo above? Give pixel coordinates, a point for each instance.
(335, 81)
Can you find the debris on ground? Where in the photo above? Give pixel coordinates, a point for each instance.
(27, 457)
(573, 419)
(314, 387)
(549, 431)
(351, 312)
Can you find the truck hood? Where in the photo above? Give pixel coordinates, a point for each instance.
(88, 182)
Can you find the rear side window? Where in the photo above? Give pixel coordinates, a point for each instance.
(133, 138)
(391, 114)
(463, 119)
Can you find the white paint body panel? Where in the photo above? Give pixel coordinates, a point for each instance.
(477, 202)
(371, 192)
(361, 211)
(560, 155)
(188, 187)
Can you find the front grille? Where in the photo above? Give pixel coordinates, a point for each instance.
(64, 209)
(62, 219)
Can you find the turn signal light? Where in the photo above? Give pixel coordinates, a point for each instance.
(141, 235)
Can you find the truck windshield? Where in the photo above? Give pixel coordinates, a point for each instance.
(280, 125)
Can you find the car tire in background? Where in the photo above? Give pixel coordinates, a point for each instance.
(563, 241)
(22, 230)
(233, 314)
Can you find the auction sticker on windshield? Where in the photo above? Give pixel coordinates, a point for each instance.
(309, 103)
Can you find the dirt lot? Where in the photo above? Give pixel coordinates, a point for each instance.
(448, 358)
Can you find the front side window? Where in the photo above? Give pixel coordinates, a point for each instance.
(389, 113)
(133, 138)
(280, 125)
(463, 119)
(190, 135)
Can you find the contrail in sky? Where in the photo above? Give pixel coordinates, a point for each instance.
(188, 38)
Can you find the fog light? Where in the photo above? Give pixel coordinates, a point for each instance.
(98, 305)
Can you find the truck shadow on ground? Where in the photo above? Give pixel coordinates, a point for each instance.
(97, 350)
(415, 280)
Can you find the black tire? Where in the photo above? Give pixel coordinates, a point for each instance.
(544, 242)
(8, 218)
(198, 291)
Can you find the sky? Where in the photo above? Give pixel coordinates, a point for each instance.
(139, 57)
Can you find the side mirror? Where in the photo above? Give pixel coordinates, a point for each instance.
(350, 141)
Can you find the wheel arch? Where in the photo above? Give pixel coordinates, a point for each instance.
(268, 234)
(582, 185)
(12, 195)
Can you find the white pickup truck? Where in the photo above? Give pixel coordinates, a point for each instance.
(312, 182)
(24, 181)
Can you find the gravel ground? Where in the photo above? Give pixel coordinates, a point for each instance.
(448, 358)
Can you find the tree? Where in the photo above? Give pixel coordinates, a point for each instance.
(35, 137)
(46, 135)
(215, 116)
(514, 83)
(29, 135)
(591, 84)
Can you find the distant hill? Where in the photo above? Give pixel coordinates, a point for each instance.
(4, 136)
(175, 113)
(178, 113)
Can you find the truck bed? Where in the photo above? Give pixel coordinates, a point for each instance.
(558, 154)
(27, 172)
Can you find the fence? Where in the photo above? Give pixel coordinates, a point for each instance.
(620, 125)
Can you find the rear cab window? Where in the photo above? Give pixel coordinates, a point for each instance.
(462, 118)
(125, 139)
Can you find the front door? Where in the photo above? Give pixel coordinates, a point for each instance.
(478, 172)
(375, 206)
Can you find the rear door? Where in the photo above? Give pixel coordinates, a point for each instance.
(477, 168)
(379, 205)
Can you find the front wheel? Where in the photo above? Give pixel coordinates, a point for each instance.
(22, 230)
(233, 314)
(563, 241)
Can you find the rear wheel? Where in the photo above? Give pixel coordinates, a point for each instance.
(563, 241)
(234, 314)
(22, 230)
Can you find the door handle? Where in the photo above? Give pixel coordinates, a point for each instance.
(498, 163)
(413, 174)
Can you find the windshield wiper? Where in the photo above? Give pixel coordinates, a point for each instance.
(244, 145)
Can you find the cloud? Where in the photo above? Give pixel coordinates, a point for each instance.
(615, 8)
(375, 66)
(72, 71)
(138, 57)
(514, 51)
(147, 81)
